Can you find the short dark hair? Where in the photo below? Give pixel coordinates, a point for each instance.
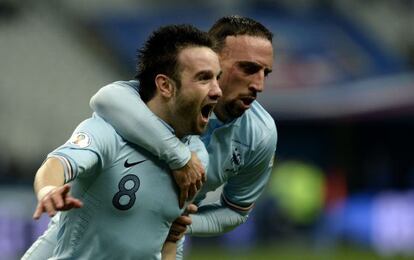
(159, 55)
(236, 25)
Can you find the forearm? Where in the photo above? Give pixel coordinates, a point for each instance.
(122, 107)
(215, 219)
(49, 175)
(169, 251)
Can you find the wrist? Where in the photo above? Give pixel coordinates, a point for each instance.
(44, 190)
(182, 158)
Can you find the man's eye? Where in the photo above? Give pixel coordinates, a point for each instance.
(204, 77)
(267, 72)
(249, 68)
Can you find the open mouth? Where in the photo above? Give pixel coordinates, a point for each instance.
(247, 100)
(206, 110)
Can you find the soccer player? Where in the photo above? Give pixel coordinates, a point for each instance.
(240, 138)
(125, 197)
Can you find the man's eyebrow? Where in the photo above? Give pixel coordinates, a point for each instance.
(254, 65)
(248, 63)
(204, 73)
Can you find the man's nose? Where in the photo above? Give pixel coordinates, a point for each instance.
(257, 83)
(215, 92)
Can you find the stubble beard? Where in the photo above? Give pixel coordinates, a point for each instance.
(229, 111)
(186, 115)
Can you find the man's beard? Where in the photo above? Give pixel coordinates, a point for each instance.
(232, 110)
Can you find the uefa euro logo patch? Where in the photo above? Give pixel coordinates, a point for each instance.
(80, 139)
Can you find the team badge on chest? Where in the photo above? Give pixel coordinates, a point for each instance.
(235, 161)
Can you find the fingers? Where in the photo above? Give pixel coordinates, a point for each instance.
(177, 231)
(191, 209)
(190, 179)
(182, 220)
(55, 200)
(183, 196)
(64, 190)
(199, 168)
(204, 176)
(199, 184)
(192, 191)
(179, 226)
(49, 206)
(70, 203)
(38, 212)
(173, 237)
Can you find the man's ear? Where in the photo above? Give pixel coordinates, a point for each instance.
(164, 85)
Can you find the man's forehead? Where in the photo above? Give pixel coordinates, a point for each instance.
(198, 59)
(246, 48)
(196, 53)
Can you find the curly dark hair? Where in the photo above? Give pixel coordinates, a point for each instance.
(160, 52)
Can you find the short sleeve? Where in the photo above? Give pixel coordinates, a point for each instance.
(92, 146)
(242, 190)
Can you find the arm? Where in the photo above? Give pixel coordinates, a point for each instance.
(121, 106)
(51, 192)
(239, 193)
(214, 219)
(170, 250)
(91, 146)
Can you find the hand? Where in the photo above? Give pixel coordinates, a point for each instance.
(189, 179)
(179, 226)
(52, 199)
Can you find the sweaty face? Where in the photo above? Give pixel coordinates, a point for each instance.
(196, 98)
(245, 62)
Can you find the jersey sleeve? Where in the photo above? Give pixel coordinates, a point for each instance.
(242, 190)
(196, 145)
(214, 219)
(92, 146)
(239, 194)
(122, 107)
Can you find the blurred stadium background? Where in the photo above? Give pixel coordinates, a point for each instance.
(342, 94)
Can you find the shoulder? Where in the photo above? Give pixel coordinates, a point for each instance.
(96, 131)
(132, 85)
(96, 125)
(258, 115)
(258, 126)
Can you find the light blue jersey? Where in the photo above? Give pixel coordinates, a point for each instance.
(129, 196)
(241, 157)
(241, 153)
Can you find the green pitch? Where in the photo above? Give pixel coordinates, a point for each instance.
(285, 253)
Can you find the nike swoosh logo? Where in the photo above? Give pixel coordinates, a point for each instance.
(127, 164)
